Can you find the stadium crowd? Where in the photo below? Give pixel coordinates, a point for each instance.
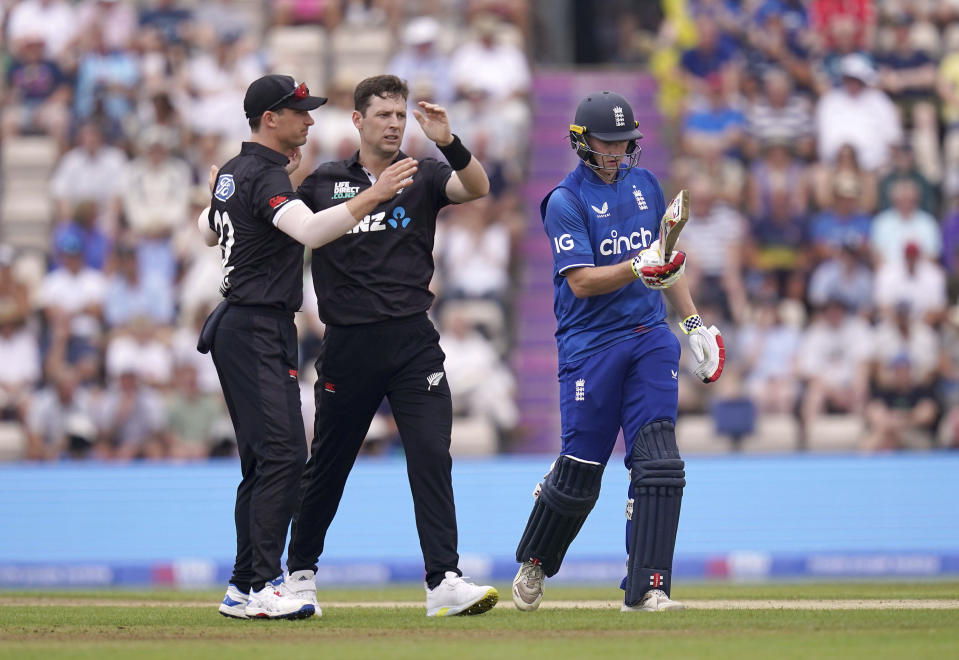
(819, 140)
(98, 323)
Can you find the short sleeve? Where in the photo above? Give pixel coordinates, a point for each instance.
(271, 193)
(439, 177)
(565, 225)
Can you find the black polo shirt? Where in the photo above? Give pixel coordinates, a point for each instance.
(382, 268)
(261, 264)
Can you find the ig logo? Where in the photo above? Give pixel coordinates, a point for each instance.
(563, 243)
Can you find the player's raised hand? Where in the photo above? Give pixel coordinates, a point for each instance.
(394, 178)
(296, 157)
(435, 122)
(211, 179)
(655, 273)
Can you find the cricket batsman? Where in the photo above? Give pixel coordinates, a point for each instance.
(613, 264)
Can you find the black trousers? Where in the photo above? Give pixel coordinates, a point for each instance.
(255, 356)
(359, 365)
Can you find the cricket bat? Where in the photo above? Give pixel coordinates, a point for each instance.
(675, 218)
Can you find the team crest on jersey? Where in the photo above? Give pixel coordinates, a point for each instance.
(343, 190)
(225, 187)
(640, 200)
(602, 211)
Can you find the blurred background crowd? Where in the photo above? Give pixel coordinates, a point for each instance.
(819, 140)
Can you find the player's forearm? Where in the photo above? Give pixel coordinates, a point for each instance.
(589, 281)
(680, 299)
(209, 236)
(473, 183)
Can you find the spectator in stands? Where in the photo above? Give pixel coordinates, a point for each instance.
(777, 171)
(904, 223)
(91, 171)
(106, 83)
(420, 59)
(921, 282)
(833, 363)
(129, 295)
(169, 17)
(714, 53)
(71, 300)
(474, 254)
(20, 357)
(129, 419)
(327, 13)
(779, 114)
(14, 295)
(947, 86)
(716, 272)
(824, 177)
(216, 79)
(902, 165)
(772, 45)
(859, 114)
(193, 417)
(844, 275)
(776, 246)
(908, 75)
(83, 223)
(117, 21)
(54, 19)
(155, 187)
(481, 384)
(901, 413)
(60, 421)
(768, 348)
(714, 121)
(857, 17)
(142, 347)
(37, 94)
(840, 222)
(489, 62)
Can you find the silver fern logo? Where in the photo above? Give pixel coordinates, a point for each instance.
(433, 380)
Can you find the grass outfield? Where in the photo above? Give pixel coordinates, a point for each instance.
(724, 621)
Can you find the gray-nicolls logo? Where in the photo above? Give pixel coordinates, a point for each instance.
(433, 380)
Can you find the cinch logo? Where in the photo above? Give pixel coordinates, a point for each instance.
(343, 190)
(617, 244)
(563, 243)
(581, 389)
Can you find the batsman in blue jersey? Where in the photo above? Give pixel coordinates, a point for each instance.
(618, 359)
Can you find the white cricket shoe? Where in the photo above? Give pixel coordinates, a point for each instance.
(274, 601)
(302, 585)
(655, 600)
(234, 603)
(456, 595)
(528, 586)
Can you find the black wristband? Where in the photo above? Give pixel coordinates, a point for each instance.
(456, 154)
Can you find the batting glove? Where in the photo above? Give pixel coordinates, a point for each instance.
(656, 273)
(707, 346)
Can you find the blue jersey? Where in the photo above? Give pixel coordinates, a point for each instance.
(593, 223)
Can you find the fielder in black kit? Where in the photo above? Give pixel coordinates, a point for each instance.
(373, 293)
(261, 227)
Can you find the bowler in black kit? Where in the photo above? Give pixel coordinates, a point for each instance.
(373, 294)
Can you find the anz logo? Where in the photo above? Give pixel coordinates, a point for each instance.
(375, 221)
(617, 244)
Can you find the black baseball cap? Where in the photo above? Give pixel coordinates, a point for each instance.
(274, 91)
